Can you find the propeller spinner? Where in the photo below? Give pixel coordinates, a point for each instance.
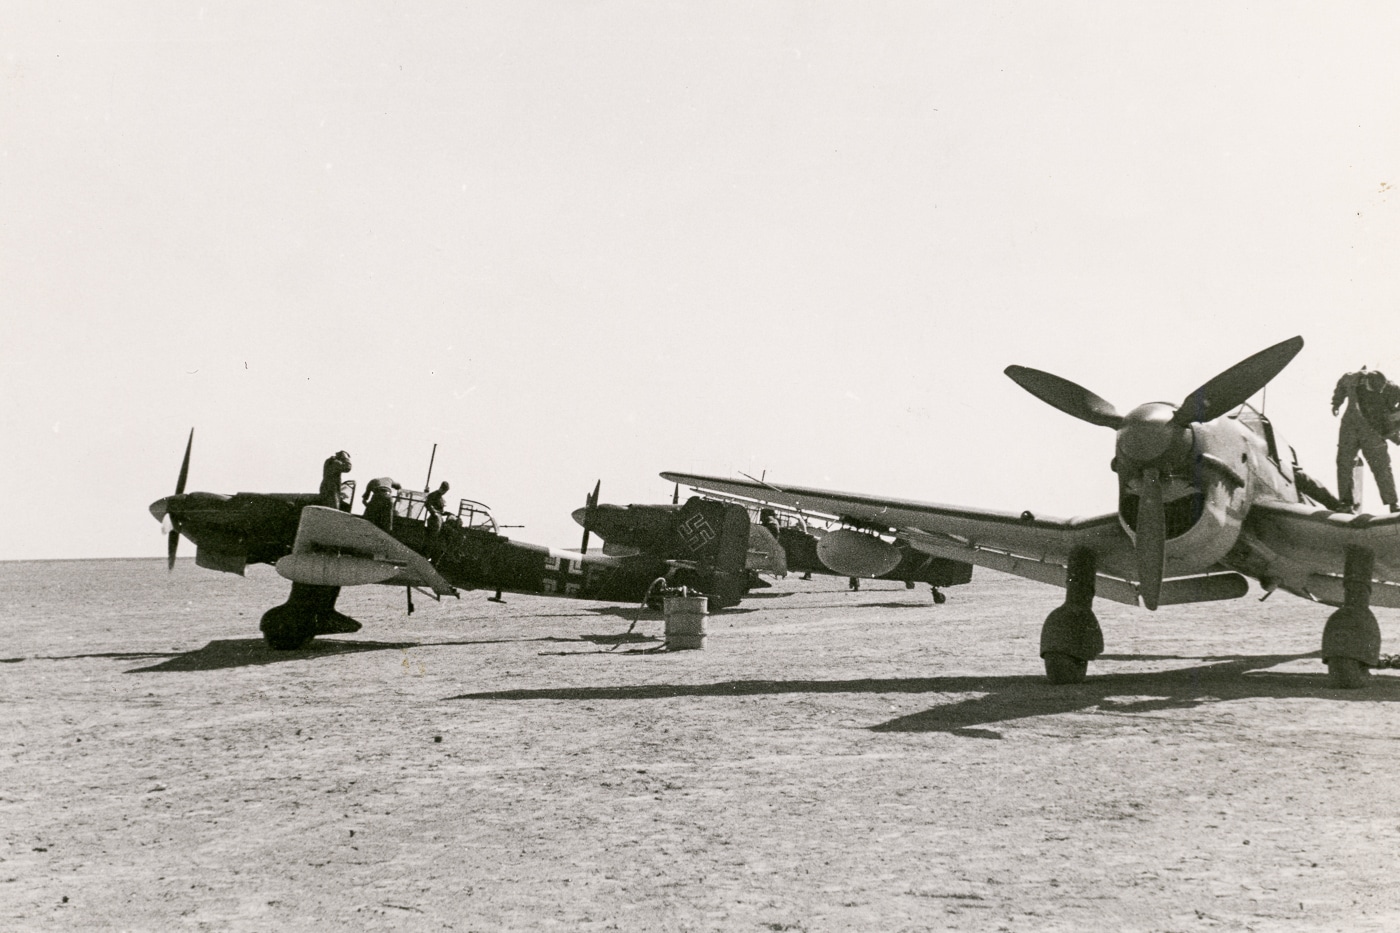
(1156, 436)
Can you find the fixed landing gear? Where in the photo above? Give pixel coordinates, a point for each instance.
(1071, 636)
(938, 597)
(309, 611)
(1351, 642)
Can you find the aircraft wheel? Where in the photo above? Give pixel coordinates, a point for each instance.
(1063, 669)
(938, 598)
(287, 628)
(1348, 673)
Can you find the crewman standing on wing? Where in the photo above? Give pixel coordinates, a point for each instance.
(336, 465)
(1363, 393)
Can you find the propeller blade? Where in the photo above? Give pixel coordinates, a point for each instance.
(1237, 384)
(185, 466)
(172, 545)
(676, 495)
(1151, 537)
(590, 505)
(1074, 400)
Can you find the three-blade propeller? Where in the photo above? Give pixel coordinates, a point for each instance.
(1154, 437)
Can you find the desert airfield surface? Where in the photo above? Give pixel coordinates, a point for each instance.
(830, 761)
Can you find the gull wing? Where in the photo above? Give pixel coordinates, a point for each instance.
(1302, 548)
(335, 548)
(1026, 545)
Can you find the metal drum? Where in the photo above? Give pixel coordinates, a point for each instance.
(685, 622)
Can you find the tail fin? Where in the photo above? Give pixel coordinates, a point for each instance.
(715, 536)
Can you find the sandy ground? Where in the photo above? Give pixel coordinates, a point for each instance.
(830, 761)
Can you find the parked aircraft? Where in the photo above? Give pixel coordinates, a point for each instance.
(792, 545)
(655, 529)
(1208, 494)
(314, 541)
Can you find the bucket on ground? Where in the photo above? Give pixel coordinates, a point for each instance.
(685, 621)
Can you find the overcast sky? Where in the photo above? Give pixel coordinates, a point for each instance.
(572, 241)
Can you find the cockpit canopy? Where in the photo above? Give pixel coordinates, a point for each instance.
(1257, 422)
(412, 504)
(475, 515)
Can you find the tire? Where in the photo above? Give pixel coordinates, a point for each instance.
(1062, 669)
(1348, 673)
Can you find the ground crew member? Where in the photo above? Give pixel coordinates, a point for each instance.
(380, 507)
(436, 504)
(1360, 391)
(336, 465)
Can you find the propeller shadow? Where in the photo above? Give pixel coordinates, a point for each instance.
(1006, 699)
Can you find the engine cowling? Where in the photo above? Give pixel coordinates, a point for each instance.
(857, 554)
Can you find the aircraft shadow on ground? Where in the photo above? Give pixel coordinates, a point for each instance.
(1005, 699)
(926, 604)
(629, 613)
(249, 652)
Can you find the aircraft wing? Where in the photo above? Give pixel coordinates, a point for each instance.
(1303, 549)
(335, 548)
(1026, 545)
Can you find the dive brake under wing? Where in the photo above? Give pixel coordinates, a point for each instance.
(1302, 548)
(1034, 547)
(334, 548)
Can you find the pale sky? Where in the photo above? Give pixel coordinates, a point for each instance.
(570, 241)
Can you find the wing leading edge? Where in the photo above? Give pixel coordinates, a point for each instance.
(334, 548)
(1037, 548)
(1302, 549)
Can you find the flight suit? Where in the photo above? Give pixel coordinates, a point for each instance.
(336, 465)
(1358, 435)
